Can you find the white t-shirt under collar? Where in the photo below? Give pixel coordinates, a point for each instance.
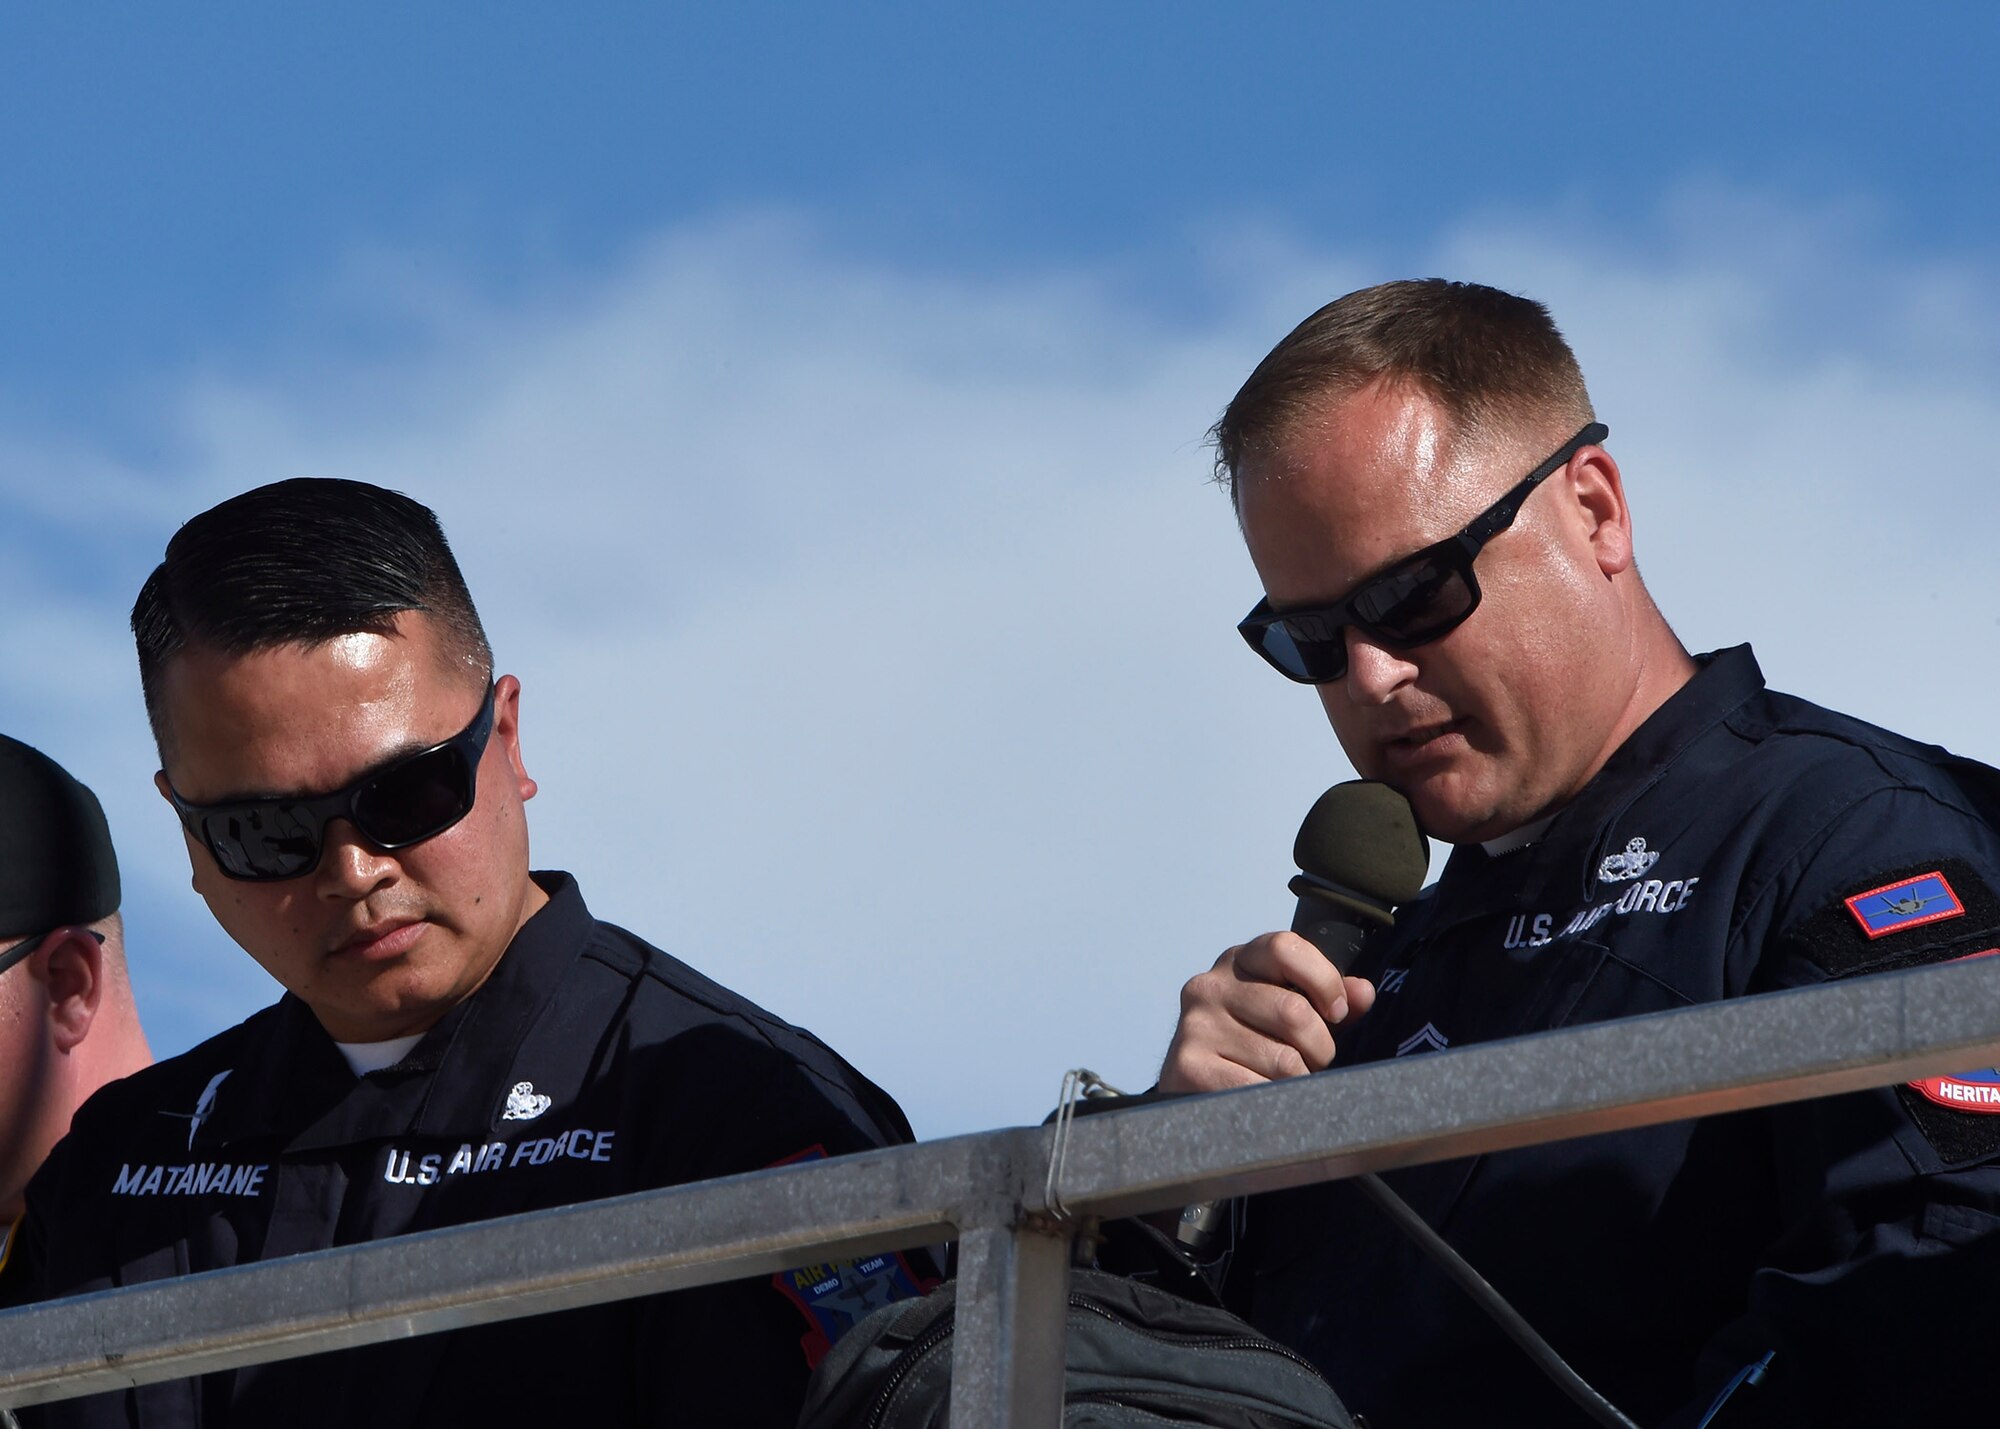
(366, 1057)
(1518, 839)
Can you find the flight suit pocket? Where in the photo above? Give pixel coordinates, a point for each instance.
(1956, 1226)
(1616, 988)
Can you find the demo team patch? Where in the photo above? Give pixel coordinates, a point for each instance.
(835, 1296)
(1911, 903)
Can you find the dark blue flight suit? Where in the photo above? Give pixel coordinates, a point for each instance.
(588, 1065)
(1741, 841)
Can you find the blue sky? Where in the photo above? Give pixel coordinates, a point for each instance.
(815, 397)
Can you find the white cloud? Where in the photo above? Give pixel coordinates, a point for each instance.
(876, 629)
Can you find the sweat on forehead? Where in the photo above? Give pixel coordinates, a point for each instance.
(1414, 444)
(410, 654)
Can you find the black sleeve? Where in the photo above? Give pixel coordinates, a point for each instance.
(1871, 1300)
(739, 1354)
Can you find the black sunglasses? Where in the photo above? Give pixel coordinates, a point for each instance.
(18, 952)
(1418, 599)
(404, 802)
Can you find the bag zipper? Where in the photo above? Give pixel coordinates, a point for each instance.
(910, 1359)
(1214, 1342)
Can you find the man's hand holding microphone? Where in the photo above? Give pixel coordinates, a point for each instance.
(1269, 1008)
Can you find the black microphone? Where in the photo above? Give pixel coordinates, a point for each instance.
(1360, 854)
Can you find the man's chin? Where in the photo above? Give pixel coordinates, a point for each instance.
(1448, 804)
(1446, 813)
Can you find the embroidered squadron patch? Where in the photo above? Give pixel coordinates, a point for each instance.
(1911, 903)
(1908, 916)
(833, 1297)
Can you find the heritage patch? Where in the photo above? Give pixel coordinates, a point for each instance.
(1964, 1091)
(1910, 903)
(1937, 1106)
(1957, 1139)
(1967, 1091)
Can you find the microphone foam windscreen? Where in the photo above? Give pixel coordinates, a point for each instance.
(1363, 836)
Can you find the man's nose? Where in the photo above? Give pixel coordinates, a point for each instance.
(350, 866)
(1374, 672)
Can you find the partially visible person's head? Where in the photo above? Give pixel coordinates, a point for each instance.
(1385, 425)
(67, 1023)
(347, 773)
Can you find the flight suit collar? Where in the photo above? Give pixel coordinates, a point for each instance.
(469, 1090)
(1561, 869)
(296, 1087)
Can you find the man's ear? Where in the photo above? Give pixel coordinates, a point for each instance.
(69, 965)
(507, 729)
(1599, 492)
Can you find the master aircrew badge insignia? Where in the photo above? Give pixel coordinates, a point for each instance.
(524, 1103)
(1618, 867)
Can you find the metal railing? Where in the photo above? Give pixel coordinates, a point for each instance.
(990, 1191)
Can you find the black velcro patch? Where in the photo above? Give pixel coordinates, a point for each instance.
(1836, 941)
(1956, 1136)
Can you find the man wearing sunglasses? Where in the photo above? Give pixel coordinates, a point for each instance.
(1447, 558)
(68, 1023)
(458, 1040)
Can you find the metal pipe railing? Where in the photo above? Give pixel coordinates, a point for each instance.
(989, 1190)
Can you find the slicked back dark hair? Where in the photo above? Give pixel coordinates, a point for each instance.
(301, 562)
(1485, 356)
